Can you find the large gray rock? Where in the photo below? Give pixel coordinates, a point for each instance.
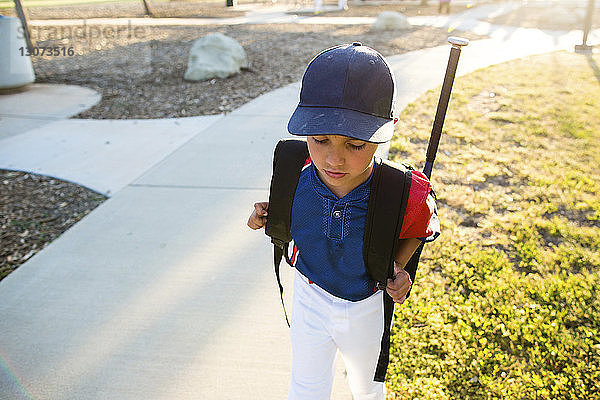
(215, 56)
(390, 20)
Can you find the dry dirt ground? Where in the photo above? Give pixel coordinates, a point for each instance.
(34, 210)
(140, 75)
(144, 78)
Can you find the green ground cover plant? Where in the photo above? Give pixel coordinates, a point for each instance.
(506, 303)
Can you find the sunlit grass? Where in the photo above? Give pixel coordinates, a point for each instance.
(506, 301)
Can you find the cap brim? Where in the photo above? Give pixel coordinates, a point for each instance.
(308, 121)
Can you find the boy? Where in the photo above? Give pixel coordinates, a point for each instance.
(345, 111)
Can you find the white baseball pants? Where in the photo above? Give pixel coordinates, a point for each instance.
(322, 324)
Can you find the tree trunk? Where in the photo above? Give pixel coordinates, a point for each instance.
(24, 25)
(147, 8)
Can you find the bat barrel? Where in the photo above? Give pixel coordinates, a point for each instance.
(440, 114)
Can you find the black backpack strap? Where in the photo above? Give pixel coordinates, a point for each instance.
(288, 160)
(384, 352)
(278, 253)
(412, 264)
(390, 188)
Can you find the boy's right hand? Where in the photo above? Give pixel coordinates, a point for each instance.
(258, 219)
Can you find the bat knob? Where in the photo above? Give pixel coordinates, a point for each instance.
(458, 42)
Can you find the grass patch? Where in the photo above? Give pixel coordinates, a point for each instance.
(506, 302)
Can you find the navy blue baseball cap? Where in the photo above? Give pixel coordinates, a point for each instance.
(347, 90)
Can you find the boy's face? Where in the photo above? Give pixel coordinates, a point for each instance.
(342, 163)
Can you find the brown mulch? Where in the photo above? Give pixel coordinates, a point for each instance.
(142, 77)
(34, 210)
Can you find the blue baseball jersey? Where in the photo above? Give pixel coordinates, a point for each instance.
(328, 233)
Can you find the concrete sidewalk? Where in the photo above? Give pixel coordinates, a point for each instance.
(162, 292)
(40, 104)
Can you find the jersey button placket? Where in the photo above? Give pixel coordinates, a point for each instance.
(336, 222)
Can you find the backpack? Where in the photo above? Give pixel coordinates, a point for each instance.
(390, 188)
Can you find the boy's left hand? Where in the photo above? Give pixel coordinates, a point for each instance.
(398, 287)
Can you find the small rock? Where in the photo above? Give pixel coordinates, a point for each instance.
(390, 20)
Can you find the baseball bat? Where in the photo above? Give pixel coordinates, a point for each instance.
(436, 132)
(440, 114)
